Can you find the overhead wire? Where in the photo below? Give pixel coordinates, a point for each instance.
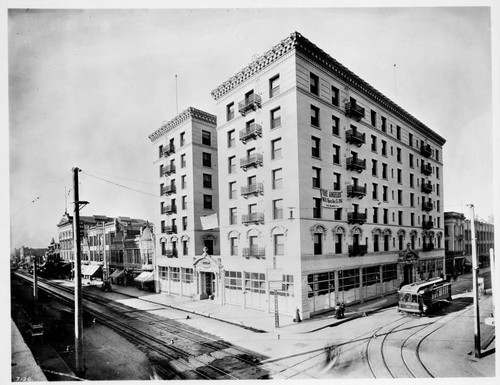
(120, 185)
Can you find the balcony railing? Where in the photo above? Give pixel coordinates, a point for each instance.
(253, 131)
(427, 225)
(251, 102)
(427, 187)
(355, 217)
(356, 191)
(355, 137)
(356, 164)
(253, 160)
(426, 169)
(357, 250)
(425, 150)
(169, 170)
(252, 218)
(171, 253)
(428, 247)
(354, 111)
(169, 209)
(256, 189)
(254, 251)
(170, 229)
(427, 206)
(169, 151)
(167, 190)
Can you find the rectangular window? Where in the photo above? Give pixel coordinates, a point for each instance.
(384, 123)
(183, 160)
(231, 138)
(207, 202)
(386, 216)
(400, 218)
(184, 247)
(374, 143)
(207, 181)
(160, 151)
(400, 197)
(206, 138)
(411, 180)
(398, 154)
(335, 125)
(437, 155)
(374, 118)
(182, 140)
(276, 118)
(183, 182)
(232, 190)
(437, 172)
(410, 160)
(314, 116)
(336, 154)
(184, 202)
(410, 139)
(317, 208)
(233, 246)
(318, 246)
(398, 132)
(315, 147)
(384, 148)
(277, 179)
(336, 181)
(231, 164)
(274, 86)
(184, 223)
(276, 149)
(278, 209)
(400, 176)
(374, 190)
(337, 214)
(375, 215)
(279, 244)
(374, 167)
(207, 159)
(230, 111)
(316, 179)
(314, 84)
(412, 199)
(384, 193)
(384, 170)
(412, 219)
(232, 216)
(335, 96)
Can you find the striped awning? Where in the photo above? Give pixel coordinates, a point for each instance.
(145, 276)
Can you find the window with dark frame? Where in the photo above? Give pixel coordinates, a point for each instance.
(316, 179)
(315, 147)
(206, 138)
(317, 208)
(207, 159)
(276, 118)
(314, 83)
(207, 181)
(230, 111)
(274, 86)
(335, 125)
(314, 116)
(276, 148)
(207, 202)
(335, 96)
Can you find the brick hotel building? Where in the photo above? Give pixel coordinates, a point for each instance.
(323, 178)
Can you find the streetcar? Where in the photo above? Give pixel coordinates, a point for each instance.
(424, 296)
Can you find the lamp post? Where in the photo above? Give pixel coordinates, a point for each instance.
(477, 330)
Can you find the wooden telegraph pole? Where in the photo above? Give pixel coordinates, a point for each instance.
(475, 270)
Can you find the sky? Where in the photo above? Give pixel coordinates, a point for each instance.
(86, 87)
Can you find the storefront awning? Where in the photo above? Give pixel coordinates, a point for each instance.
(90, 270)
(117, 273)
(145, 276)
(468, 260)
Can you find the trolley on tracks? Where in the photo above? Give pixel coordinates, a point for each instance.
(424, 296)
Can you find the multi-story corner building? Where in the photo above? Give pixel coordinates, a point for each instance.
(325, 185)
(484, 242)
(454, 242)
(120, 248)
(188, 182)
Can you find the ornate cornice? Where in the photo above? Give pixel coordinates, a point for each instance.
(182, 117)
(301, 44)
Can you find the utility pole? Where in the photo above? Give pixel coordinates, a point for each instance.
(79, 367)
(35, 287)
(475, 270)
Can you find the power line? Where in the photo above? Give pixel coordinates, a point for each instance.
(120, 185)
(37, 198)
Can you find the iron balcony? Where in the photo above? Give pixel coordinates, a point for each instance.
(356, 164)
(427, 225)
(169, 170)
(171, 253)
(355, 137)
(167, 190)
(256, 189)
(354, 111)
(169, 150)
(425, 150)
(169, 209)
(427, 206)
(355, 217)
(426, 187)
(254, 251)
(253, 131)
(170, 229)
(253, 160)
(428, 247)
(357, 250)
(252, 218)
(426, 169)
(250, 103)
(356, 191)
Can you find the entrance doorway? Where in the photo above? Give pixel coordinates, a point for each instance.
(207, 281)
(407, 274)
